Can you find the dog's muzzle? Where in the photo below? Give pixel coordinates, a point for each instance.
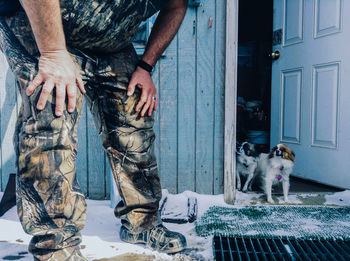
(279, 153)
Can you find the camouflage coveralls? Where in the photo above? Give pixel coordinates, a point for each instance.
(50, 203)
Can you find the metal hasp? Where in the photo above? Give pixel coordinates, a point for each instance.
(194, 3)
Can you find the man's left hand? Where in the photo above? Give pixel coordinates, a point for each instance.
(148, 100)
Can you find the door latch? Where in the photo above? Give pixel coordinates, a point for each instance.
(194, 3)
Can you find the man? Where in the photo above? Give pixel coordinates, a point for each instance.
(58, 51)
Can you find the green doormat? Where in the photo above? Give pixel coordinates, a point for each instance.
(277, 222)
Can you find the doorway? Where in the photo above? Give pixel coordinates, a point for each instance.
(254, 82)
(255, 23)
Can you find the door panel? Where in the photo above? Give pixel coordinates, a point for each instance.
(310, 88)
(290, 105)
(327, 17)
(325, 105)
(293, 22)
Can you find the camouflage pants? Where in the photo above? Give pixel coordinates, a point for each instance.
(51, 206)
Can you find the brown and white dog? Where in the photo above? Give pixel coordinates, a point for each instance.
(276, 167)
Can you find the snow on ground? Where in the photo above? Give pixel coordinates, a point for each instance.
(101, 238)
(340, 198)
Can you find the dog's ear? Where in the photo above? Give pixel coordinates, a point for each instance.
(291, 155)
(272, 152)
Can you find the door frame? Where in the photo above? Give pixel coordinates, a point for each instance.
(230, 100)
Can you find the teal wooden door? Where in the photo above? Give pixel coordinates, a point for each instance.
(189, 123)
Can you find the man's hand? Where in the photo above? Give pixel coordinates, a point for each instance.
(57, 70)
(148, 100)
(163, 31)
(56, 67)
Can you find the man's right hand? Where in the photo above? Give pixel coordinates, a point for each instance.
(57, 70)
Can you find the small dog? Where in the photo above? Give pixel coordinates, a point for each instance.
(274, 168)
(246, 163)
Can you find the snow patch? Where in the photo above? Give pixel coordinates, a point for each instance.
(101, 232)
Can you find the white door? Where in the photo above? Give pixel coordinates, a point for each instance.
(311, 87)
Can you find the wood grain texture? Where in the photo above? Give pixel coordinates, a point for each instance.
(107, 178)
(205, 98)
(2, 80)
(8, 115)
(96, 162)
(82, 160)
(230, 100)
(156, 77)
(219, 98)
(186, 102)
(168, 118)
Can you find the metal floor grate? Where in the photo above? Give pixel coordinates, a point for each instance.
(229, 248)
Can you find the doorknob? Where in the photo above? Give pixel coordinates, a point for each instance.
(275, 55)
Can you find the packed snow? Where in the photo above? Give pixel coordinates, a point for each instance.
(101, 238)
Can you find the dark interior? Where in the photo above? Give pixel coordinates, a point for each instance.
(254, 83)
(254, 72)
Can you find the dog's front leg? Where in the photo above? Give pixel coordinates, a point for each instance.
(268, 189)
(249, 179)
(238, 180)
(285, 185)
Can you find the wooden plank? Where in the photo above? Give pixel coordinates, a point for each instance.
(219, 98)
(168, 118)
(230, 100)
(2, 83)
(96, 161)
(156, 80)
(8, 117)
(186, 102)
(205, 98)
(107, 178)
(81, 162)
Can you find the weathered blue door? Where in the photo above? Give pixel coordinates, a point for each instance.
(310, 87)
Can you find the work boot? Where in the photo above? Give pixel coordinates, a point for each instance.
(158, 238)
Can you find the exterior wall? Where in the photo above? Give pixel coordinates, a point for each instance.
(189, 121)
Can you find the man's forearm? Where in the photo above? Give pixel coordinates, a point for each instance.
(164, 30)
(46, 22)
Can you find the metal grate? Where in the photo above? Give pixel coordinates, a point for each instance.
(229, 248)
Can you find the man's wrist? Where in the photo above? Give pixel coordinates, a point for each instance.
(145, 66)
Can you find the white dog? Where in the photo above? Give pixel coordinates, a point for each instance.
(276, 167)
(246, 163)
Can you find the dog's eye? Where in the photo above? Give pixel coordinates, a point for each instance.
(283, 149)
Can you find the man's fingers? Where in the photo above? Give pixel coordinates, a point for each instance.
(150, 110)
(131, 87)
(146, 106)
(38, 79)
(44, 95)
(155, 102)
(142, 100)
(81, 85)
(72, 97)
(60, 98)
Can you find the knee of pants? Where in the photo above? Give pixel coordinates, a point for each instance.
(46, 145)
(134, 147)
